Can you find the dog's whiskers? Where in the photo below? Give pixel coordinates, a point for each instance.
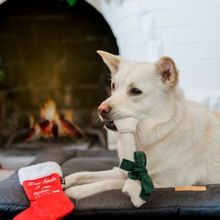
(95, 115)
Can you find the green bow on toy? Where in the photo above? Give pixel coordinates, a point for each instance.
(139, 172)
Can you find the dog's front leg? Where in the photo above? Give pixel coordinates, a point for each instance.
(86, 177)
(78, 192)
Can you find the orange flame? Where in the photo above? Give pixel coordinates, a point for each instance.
(52, 125)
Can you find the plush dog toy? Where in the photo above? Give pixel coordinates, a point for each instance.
(139, 184)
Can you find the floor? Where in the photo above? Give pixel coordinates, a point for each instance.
(11, 160)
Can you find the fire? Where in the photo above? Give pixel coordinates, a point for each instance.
(52, 125)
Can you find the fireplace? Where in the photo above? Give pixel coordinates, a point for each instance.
(48, 50)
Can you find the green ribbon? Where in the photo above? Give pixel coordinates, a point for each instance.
(71, 2)
(138, 171)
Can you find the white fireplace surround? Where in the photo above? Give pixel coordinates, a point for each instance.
(186, 30)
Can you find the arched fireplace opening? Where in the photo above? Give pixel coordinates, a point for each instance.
(48, 51)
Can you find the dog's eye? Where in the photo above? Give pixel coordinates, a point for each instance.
(135, 91)
(113, 86)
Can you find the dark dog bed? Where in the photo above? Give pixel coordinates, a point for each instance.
(163, 202)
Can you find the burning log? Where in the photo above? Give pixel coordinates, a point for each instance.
(52, 125)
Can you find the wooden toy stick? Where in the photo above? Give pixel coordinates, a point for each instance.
(190, 188)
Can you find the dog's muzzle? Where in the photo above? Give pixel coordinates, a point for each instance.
(104, 112)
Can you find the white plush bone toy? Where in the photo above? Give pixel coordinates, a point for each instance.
(126, 128)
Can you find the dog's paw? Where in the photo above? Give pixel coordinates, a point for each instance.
(72, 193)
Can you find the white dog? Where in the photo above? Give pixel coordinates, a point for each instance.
(180, 138)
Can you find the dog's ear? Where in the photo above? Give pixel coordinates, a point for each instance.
(168, 71)
(112, 61)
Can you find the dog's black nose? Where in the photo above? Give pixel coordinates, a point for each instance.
(104, 109)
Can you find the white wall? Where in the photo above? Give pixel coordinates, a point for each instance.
(1, 1)
(191, 35)
(186, 30)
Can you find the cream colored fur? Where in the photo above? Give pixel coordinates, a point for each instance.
(181, 138)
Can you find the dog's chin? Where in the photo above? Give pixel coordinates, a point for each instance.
(110, 125)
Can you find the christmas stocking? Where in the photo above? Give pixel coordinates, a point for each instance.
(42, 185)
